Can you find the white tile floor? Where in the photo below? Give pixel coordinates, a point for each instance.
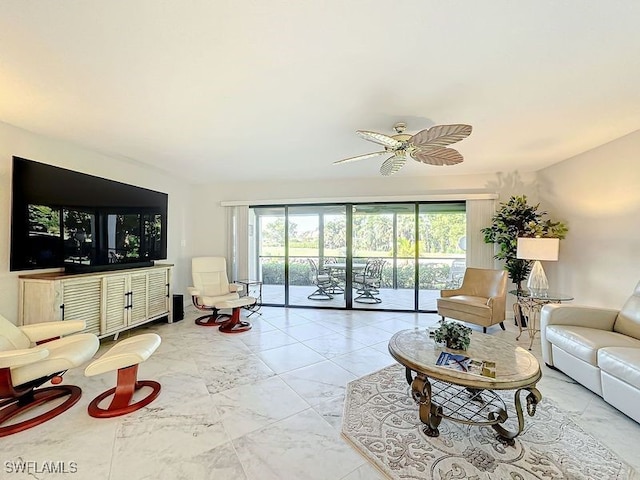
(261, 405)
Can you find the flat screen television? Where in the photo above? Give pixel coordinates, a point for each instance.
(63, 218)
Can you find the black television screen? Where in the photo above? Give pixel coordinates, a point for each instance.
(62, 218)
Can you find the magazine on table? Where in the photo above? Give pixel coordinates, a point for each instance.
(465, 364)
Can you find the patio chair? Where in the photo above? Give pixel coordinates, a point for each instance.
(368, 282)
(458, 267)
(322, 280)
(337, 275)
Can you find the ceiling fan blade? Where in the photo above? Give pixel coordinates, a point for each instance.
(439, 156)
(392, 165)
(440, 136)
(359, 157)
(380, 139)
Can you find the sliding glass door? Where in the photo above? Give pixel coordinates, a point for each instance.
(384, 235)
(383, 256)
(316, 255)
(270, 252)
(441, 255)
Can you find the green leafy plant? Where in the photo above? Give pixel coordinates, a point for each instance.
(516, 218)
(455, 335)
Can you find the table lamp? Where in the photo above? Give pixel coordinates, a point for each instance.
(538, 249)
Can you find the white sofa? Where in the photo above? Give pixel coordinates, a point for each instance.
(598, 347)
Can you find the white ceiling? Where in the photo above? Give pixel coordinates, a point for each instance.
(262, 89)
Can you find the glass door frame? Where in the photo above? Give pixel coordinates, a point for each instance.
(348, 294)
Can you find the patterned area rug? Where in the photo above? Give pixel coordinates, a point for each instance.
(381, 420)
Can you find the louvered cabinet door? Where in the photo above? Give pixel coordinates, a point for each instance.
(116, 303)
(39, 301)
(81, 301)
(138, 301)
(158, 293)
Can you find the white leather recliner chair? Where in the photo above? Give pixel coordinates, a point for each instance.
(32, 355)
(211, 287)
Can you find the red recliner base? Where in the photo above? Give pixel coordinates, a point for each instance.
(212, 320)
(126, 386)
(234, 324)
(12, 407)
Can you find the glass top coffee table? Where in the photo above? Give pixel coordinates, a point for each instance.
(463, 397)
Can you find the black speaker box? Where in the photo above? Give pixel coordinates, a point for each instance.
(178, 308)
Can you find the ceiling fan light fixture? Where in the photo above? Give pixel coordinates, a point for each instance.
(428, 146)
(400, 127)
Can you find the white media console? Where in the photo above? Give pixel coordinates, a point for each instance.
(109, 302)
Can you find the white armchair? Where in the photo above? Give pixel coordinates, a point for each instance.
(210, 287)
(33, 355)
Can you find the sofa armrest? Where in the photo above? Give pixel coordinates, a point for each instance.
(236, 287)
(38, 332)
(576, 315)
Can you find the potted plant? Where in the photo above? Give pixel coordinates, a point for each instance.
(454, 335)
(516, 218)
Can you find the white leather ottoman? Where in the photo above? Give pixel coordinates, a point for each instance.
(124, 356)
(234, 325)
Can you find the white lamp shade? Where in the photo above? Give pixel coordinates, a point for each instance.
(538, 248)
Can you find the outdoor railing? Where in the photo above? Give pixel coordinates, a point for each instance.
(435, 273)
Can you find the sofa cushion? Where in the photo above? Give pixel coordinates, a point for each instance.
(466, 304)
(584, 342)
(622, 363)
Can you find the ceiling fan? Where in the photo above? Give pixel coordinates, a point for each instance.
(427, 146)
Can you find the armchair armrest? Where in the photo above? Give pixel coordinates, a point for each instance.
(451, 292)
(47, 330)
(236, 287)
(193, 291)
(24, 356)
(498, 306)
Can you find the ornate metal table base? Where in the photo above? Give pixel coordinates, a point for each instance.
(529, 309)
(438, 399)
(528, 306)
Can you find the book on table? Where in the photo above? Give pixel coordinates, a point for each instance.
(465, 364)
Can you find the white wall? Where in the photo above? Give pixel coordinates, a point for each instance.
(598, 193)
(210, 231)
(18, 142)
